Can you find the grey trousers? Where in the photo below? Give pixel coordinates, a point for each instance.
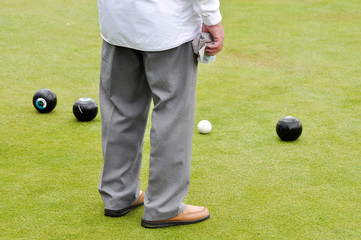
(129, 81)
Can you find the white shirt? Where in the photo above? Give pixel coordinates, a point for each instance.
(155, 25)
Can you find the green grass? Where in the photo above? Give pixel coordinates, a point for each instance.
(280, 58)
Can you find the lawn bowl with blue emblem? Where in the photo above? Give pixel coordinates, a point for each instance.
(44, 100)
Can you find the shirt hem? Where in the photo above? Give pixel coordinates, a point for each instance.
(149, 49)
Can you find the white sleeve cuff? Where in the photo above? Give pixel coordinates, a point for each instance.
(212, 19)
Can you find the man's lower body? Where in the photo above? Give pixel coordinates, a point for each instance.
(129, 81)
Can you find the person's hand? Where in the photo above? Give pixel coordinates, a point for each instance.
(218, 35)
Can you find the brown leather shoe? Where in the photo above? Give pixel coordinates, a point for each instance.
(124, 211)
(191, 214)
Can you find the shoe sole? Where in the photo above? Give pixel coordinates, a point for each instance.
(121, 212)
(151, 224)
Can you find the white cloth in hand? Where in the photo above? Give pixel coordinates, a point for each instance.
(199, 47)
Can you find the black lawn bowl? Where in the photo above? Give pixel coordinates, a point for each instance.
(289, 128)
(44, 100)
(85, 109)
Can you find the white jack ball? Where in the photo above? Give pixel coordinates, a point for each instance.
(204, 127)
